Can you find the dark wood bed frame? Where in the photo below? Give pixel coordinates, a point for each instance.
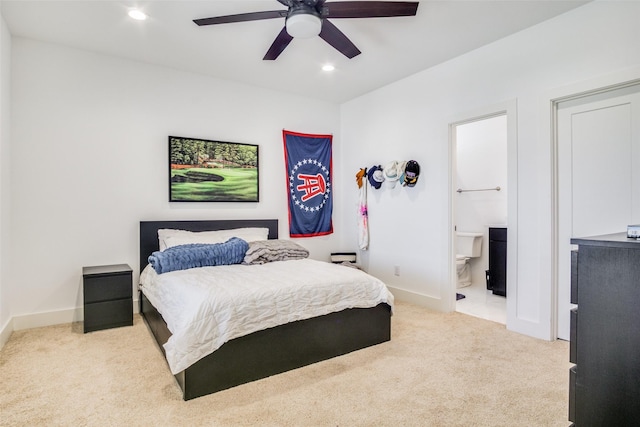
(270, 351)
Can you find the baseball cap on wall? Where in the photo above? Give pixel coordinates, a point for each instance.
(375, 176)
(391, 174)
(411, 173)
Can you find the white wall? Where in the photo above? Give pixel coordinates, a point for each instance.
(89, 161)
(409, 119)
(5, 135)
(88, 156)
(481, 163)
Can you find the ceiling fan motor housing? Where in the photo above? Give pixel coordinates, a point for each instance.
(303, 22)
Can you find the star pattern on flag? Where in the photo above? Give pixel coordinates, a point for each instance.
(301, 205)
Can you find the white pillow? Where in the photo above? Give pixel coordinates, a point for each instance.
(164, 233)
(168, 238)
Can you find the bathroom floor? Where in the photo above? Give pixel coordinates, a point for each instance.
(479, 302)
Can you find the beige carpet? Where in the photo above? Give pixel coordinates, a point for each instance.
(437, 370)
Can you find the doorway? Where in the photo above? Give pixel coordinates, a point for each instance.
(597, 147)
(481, 205)
(485, 137)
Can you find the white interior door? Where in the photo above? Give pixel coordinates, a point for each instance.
(598, 175)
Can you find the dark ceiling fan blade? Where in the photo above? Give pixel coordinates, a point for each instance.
(336, 38)
(279, 44)
(371, 9)
(242, 17)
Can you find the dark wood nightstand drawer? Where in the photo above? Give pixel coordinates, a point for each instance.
(108, 314)
(107, 288)
(107, 294)
(106, 282)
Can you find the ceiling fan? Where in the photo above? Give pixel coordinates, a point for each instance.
(308, 18)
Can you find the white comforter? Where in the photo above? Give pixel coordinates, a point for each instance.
(206, 307)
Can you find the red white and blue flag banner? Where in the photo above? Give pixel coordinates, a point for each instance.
(308, 162)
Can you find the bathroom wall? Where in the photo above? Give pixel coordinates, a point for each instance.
(481, 163)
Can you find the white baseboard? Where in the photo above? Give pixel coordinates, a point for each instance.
(37, 320)
(5, 332)
(426, 301)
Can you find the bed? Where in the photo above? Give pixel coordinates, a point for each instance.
(269, 351)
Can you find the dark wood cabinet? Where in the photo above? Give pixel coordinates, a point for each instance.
(107, 294)
(497, 275)
(604, 384)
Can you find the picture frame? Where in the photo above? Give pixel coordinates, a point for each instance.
(202, 170)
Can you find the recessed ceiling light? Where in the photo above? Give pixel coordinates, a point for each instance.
(137, 15)
(328, 67)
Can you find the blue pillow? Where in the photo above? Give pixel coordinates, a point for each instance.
(195, 255)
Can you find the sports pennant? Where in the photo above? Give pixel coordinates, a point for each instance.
(308, 162)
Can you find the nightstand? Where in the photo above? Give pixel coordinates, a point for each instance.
(108, 299)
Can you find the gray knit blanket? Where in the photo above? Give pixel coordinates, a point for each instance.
(263, 251)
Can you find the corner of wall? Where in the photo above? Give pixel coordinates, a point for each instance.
(5, 134)
(5, 333)
(426, 301)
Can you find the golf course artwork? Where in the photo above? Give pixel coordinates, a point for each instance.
(212, 171)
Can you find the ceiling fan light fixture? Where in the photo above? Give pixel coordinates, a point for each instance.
(303, 25)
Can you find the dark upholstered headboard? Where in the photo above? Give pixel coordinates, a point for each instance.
(149, 231)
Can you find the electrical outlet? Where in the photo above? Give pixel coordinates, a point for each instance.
(396, 270)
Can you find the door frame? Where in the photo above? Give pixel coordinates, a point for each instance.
(509, 109)
(600, 85)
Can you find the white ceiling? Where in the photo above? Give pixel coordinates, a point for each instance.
(392, 48)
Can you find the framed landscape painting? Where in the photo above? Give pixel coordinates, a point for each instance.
(201, 170)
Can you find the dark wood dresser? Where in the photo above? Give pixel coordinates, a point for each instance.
(604, 387)
(108, 299)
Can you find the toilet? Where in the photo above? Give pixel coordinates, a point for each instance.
(468, 245)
